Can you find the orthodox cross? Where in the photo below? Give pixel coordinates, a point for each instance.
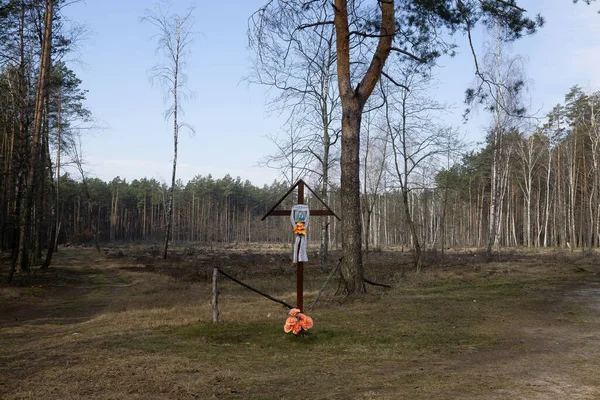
(326, 212)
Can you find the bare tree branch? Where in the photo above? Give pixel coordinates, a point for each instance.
(409, 54)
(394, 82)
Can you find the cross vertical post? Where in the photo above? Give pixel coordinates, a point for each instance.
(326, 212)
(300, 268)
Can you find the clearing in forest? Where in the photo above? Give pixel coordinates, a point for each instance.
(135, 327)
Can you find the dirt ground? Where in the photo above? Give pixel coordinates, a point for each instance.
(125, 324)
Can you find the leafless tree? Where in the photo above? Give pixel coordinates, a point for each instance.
(174, 36)
(77, 160)
(291, 157)
(374, 149)
(300, 65)
(417, 138)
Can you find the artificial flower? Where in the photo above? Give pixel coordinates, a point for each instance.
(305, 321)
(296, 329)
(297, 322)
(289, 324)
(294, 311)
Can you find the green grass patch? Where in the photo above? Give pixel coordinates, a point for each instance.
(35, 291)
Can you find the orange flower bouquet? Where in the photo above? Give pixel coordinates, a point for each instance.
(297, 322)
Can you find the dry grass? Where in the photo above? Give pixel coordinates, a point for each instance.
(138, 328)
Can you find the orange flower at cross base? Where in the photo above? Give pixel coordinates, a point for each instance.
(300, 229)
(296, 329)
(290, 323)
(305, 321)
(294, 311)
(297, 322)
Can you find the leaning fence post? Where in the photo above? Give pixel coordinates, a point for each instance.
(215, 295)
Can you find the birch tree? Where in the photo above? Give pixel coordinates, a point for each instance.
(501, 83)
(553, 132)
(174, 38)
(583, 112)
(529, 153)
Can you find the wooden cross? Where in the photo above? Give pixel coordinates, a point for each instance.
(328, 211)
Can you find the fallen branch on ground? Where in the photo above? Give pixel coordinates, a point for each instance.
(378, 284)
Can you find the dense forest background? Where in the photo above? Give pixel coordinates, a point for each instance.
(549, 189)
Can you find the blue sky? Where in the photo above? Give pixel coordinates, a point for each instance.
(231, 119)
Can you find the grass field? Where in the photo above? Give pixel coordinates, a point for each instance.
(524, 327)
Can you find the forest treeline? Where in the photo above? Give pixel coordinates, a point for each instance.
(549, 185)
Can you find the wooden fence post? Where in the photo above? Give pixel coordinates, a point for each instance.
(215, 295)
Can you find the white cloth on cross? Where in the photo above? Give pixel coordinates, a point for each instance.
(300, 213)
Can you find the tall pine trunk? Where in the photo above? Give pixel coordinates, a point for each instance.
(57, 183)
(53, 223)
(24, 243)
(353, 101)
(16, 190)
(352, 266)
